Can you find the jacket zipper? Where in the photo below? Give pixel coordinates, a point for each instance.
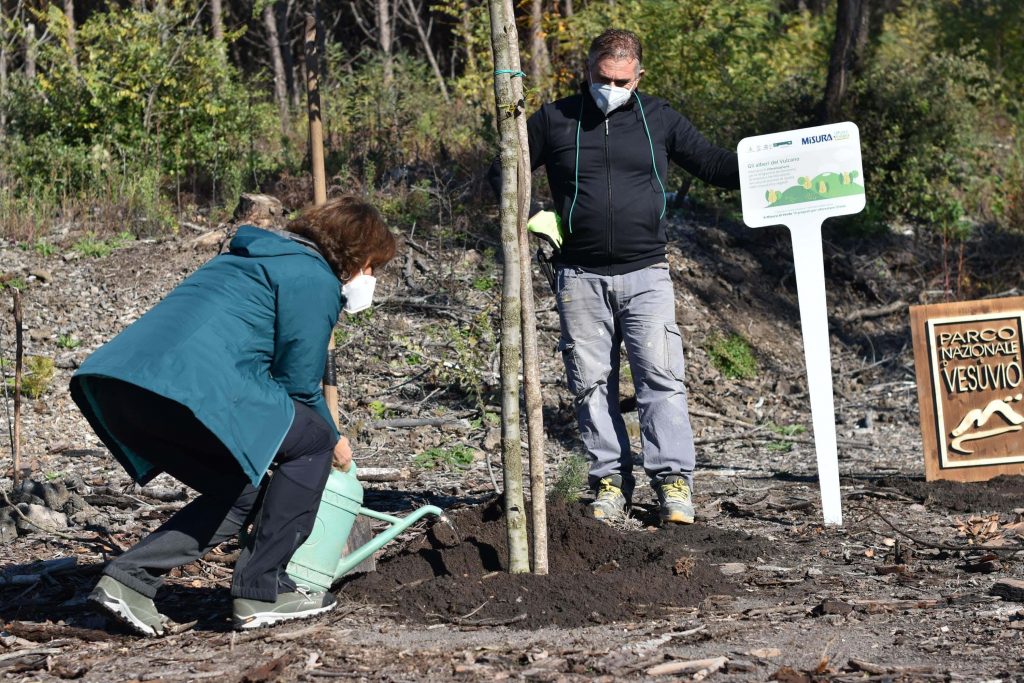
(608, 174)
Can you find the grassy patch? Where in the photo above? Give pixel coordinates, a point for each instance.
(782, 445)
(732, 356)
(67, 341)
(451, 459)
(93, 247)
(378, 409)
(787, 430)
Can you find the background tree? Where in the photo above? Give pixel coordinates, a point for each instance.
(847, 47)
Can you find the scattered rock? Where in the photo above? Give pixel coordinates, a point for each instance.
(732, 568)
(1009, 589)
(258, 209)
(493, 439)
(831, 606)
(68, 361)
(39, 518)
(8, 527)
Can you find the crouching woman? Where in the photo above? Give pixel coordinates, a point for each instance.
(220, 382)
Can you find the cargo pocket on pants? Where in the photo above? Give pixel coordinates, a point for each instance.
(573, 373)
(674, 361)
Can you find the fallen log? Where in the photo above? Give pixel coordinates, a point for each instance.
(382, 474)
(47, 631)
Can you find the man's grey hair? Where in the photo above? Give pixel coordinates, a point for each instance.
(616, 44)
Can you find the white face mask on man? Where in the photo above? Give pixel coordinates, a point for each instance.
(609, 97)
(358, 293)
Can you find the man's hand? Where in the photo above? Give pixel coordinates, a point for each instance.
(342, 454)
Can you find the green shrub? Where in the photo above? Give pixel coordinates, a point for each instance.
(571, 478)
(731, 355)
(38, 375)
(152, 106)
(922, 121)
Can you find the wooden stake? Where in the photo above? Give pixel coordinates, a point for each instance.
(316, 126)
(18, 351)
(316, 157)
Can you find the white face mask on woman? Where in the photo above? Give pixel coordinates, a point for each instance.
(358, 293)
(609, 97)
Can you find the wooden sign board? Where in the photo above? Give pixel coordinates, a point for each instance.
(970, 386)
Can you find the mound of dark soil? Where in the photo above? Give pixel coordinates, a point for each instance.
(597, 573)
(1001, 494)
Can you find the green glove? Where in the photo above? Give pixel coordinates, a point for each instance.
(547, 225)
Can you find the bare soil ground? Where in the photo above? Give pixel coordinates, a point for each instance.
(758, 588)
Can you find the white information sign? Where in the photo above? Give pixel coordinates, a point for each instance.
(799, 178)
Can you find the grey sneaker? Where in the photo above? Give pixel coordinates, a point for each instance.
(610, 502)
(297, 605)
(674, 498)
(130, 607)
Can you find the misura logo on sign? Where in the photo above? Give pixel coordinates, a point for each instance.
(814, 139)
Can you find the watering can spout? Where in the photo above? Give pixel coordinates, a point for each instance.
(316, 564)
(398, 525)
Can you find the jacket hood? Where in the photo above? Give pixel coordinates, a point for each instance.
(257, 242)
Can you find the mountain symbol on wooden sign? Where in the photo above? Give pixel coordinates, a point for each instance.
(979, 417)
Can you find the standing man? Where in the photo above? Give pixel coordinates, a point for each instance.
(606, 151)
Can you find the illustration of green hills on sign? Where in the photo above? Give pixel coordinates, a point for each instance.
(822, 186)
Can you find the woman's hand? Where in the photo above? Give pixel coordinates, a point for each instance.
(342, 454)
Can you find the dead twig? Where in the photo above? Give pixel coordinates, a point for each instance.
(937, 546)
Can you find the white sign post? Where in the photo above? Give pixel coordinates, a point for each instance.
(799, 178)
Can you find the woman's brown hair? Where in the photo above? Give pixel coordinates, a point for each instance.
(349, 232)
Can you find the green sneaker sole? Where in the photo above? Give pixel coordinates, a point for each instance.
(120, 610)
(263, 619)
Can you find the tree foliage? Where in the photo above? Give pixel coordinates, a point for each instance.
(155, 111)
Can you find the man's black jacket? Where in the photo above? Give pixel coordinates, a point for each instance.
(616, 223)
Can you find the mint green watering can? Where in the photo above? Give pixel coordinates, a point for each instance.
(318, 563)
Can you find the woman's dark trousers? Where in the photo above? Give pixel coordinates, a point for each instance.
(194, 456)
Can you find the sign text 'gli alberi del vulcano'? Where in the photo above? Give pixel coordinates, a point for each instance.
(970, 387)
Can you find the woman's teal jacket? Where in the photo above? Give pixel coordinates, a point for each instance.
(235, 342)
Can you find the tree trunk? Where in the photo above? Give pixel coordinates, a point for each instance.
(30, 51)
(281, 14)
(540, 62)
(531, 364)
(850, 24)
(297, 77)
(425, 39)
(280, 81)
(384, 36)
(217, 20)
(568, 8)
(69, 13)
(467, 32)
(507, 109)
